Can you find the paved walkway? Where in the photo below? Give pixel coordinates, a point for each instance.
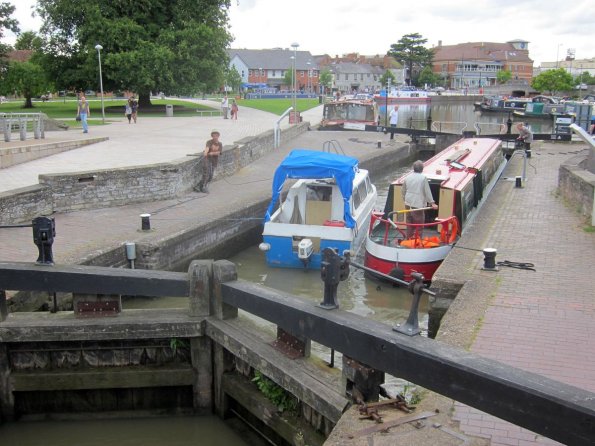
(152, 140)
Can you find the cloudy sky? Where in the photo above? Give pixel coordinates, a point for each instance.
(370, 26)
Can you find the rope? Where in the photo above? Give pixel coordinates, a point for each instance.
(517, 265)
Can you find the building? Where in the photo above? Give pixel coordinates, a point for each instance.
(267, 68)
(576, 67)
(476, 64)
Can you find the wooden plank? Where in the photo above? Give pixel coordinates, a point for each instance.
(130, 324)
(284, 424)
(92, 280)
(3, 307)
(103, 378)
(287, 373)
(551, 408)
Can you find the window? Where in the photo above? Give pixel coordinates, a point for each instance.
(356, 200)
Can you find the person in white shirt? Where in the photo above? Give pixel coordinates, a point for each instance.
(417, 196)
(225, 106)
(394, 119)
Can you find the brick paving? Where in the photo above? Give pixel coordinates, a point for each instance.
(541, 321)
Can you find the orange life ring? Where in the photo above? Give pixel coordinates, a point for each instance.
(454, 224)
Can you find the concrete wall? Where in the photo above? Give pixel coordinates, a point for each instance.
(577, 184)
(117, 187)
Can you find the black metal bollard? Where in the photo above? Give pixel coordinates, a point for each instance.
(489, 259)
(509, 125)
(429, 122)
(334, 269)
(145, 222)
(44, 231)
(411, 327)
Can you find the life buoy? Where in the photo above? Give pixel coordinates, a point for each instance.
(454, 229)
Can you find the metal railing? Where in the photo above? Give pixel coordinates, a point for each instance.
(23, 122)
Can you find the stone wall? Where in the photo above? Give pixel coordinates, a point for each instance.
(117, 187)
(577, 185)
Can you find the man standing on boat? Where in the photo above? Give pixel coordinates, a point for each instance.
(394, 119)
(417, 196)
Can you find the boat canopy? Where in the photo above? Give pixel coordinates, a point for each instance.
(311, 164)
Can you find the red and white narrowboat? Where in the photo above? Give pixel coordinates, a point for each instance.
(459, 176)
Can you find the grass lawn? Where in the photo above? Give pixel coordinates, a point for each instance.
(278, 106)
(114, 108)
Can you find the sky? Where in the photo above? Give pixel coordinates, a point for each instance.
(369, 27)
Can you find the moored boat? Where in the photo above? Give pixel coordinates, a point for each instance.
(329, 206)
(349, 114)
(541, 107)
(500, 104)
(459, 177)
(405, 94)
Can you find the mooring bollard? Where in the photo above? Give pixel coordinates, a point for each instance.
(44, 231)
(145, 222)
(489, 259)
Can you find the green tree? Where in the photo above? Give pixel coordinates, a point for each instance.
(177, 46)
(553, 81)
(26, 79)
(233, 79)
(503, 76)
(427, 76)
(410, 52)
(326, 79)
(6, 23)
(385, 78)
(288, 78)
(29, 40)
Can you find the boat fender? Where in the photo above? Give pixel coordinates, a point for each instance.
(454, 223)
(397, 273)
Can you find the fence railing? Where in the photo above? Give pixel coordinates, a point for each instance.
(23, 123)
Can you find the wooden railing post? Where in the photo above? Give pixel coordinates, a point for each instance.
(3, 307)
(200, 274)
(223, 271)
(6, 396)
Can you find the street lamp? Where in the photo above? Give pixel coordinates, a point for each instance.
(295, 45)
(558, 53)
(308, 81)
(386, 103)
(99, 48)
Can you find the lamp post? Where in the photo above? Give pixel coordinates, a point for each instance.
(308, 81)
(99, 48)
(558, 53)
(386, 104)
(295, 45)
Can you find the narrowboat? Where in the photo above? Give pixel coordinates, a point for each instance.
(403, 94)
(500, 104)
(329, 206)
(460, 177)
(349, 114)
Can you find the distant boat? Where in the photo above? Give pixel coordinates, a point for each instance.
(328, 207)
(459, 177)
(406, 94)
(541, 107)
(349, 114)
(500, 104)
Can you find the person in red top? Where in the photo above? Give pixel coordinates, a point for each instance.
(213, 149)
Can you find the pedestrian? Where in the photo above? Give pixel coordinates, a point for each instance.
(213, 149)
(225, 106)
(83, 112)
(417, 196)
(526, 137)
(394, 119)
(234, 110)
(133, 107)
(128, 112)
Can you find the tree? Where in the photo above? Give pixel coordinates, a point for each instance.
(29, 40)
(6, 22)
(288, 78)
(385, 78)
(427, 76)
(26, 79)
(553, 81)
(409, 51)
(503, 76)
(326, 79)
(177, 46)
(233, 79)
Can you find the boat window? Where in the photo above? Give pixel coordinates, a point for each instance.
(361, 188)
(368, 185)
(356, 200)
(319, 193)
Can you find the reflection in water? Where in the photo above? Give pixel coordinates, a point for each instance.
(170, 431)
(464, 113)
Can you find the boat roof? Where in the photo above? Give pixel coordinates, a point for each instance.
(453, 167)
(313, 164)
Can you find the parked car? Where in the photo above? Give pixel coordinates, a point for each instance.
(581, 87)
(89, 93)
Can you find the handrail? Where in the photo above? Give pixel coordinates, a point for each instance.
(277, 129)
(437, 125)
(418, 228)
